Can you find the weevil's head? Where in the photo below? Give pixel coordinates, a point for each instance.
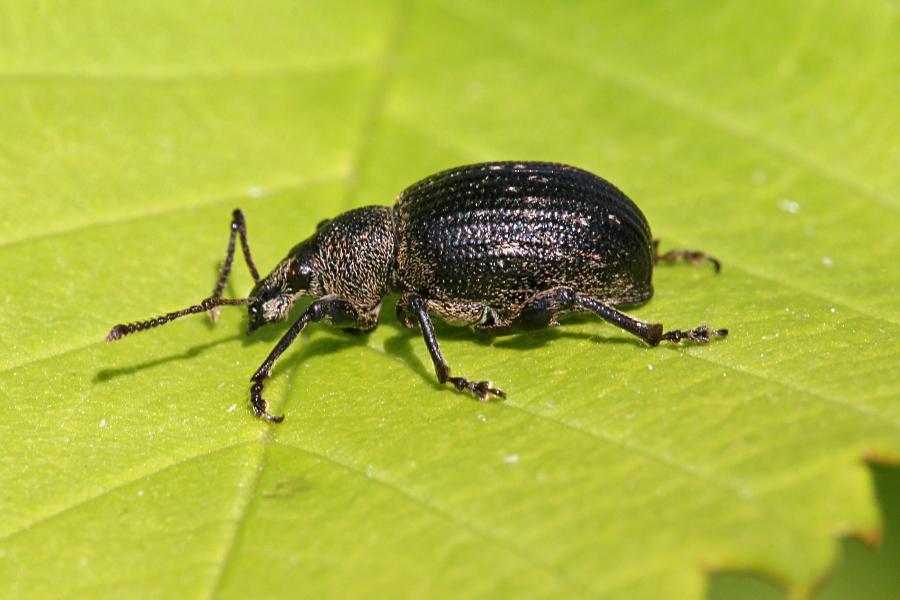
(295, 276)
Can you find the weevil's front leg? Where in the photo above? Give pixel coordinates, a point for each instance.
(332, 309)
(413, 305)
(238, 228)
(695, 257)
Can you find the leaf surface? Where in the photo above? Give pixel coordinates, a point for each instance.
(766, 134)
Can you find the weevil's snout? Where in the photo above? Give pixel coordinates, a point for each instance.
(267, 306)
(254, 311)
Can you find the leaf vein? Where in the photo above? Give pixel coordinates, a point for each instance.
(255, 72)
(715, 118)
(119, 486)
(243, 510)
(445, 515)
(138, 216)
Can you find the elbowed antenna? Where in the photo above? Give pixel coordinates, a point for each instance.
(123, 329)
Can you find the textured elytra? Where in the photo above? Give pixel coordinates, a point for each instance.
(498, 233)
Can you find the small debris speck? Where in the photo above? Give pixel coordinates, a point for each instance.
(254, 191)
(650, 367)
(102, 423)
(789, 206)
(482, 418)
(231, 408)
(512, 458)
(140, 492)
(759, 177)
(833, 309)
(826, 260)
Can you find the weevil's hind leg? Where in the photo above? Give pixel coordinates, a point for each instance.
(544, 308)
(695, 257)
(330, 308)
(412, 309)
(652, 333)
(238, 228)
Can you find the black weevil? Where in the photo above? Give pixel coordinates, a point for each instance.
(502, 247)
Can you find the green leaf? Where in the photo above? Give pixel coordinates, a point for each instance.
(766, 133)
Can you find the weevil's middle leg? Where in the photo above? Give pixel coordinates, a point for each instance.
(238, 228)
(539, 312)
(413, 306)
(695, 257)
(330, 308)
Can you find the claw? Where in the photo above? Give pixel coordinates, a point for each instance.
(701, 334)
(268, 416)
(260, 406)
(481, 389)
(484, 389)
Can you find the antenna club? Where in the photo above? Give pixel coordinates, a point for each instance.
(117, 332)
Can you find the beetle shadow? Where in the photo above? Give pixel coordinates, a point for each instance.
(104, 375)
(530, 340)
(289, 367)
(273, 332)
(267, 335)
(537, 339)
(316, 347)
(401, 343)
